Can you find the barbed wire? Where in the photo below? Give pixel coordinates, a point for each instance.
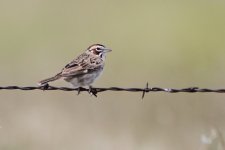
(94, 90)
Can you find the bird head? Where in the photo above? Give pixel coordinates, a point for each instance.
(99, 50)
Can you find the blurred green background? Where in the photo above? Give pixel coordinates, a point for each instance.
(169, 43)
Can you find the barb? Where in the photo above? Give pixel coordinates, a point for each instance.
(146, 90)
(95, 91)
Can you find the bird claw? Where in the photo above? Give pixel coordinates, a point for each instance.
(92, 91)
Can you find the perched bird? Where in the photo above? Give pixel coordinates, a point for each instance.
(84, 69)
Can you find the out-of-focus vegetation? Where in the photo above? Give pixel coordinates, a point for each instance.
(168, 43)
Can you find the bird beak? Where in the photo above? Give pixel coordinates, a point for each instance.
(106, 50)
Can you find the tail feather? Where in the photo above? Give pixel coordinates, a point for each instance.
(43, 82)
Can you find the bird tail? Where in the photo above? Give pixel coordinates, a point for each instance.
(56, 77)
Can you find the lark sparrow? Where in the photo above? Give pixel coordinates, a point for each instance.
(83, 70)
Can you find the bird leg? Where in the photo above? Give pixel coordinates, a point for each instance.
(78, 90)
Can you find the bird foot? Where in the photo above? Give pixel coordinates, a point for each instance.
(92, 91)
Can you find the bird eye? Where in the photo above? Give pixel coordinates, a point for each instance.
(98, 48)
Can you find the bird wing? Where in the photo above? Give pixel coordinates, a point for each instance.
(82, 65)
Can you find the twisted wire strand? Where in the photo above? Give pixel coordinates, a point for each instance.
(96, 90)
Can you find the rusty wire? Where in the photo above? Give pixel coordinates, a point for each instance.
(95, 90)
